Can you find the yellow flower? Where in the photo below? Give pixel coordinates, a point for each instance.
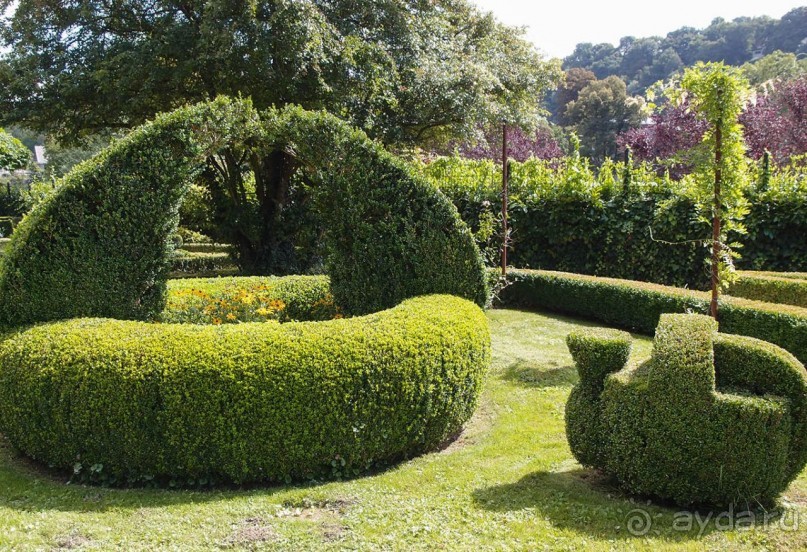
(231, 316)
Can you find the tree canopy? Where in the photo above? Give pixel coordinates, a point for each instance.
(642, 61)
(406, 71)
(601, 112)
(13, 153)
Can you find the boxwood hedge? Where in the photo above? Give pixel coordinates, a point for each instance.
(639, 305)
(101, 245)
(709, 419)
(772, 287)
(128, 401)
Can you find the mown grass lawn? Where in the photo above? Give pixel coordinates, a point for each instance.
(509, 482)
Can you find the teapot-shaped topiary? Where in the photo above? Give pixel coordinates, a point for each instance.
(710, 419)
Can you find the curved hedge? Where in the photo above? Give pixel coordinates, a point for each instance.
(772, 287)
(709, 419)
(389, 234)
(100, 246)
(131, 401)
(638, 305)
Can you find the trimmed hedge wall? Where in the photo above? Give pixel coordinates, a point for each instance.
(185, 261)
(772, 287)
(131, 402)
(565, 216)
(709, 419)
(639, 305)
(100, 246)
(389, 234)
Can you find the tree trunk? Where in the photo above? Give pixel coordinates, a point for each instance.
(716, 221)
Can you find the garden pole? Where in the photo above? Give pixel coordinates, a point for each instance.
(505, 178)
(716, 218)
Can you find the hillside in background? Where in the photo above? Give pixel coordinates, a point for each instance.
(640, 62)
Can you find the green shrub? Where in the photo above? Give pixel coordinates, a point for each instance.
(100, 245)
(709, 419)
(131, 401)
(200, 261)
(196, 247)
(566, 217)
(770, 287)
(776, 224)
(639, 305)
(249, 299)
(596, 353)
(788, 275)
(389, 234)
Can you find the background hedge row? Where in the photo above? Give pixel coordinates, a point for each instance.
(639, 305)
(617, 223)
(132, 402)
(772, 287)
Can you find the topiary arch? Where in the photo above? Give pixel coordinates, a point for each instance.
(131, 402)
(100, 245)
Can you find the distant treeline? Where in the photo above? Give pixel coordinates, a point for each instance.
(640, 62)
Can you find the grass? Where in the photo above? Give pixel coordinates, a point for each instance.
(509, 482)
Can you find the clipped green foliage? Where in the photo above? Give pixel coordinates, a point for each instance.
(775, 287)
(243, 402)
(709, 419)
(100, 245)
(597, 353)
(389, 234)
(639, 305)
(184, 261)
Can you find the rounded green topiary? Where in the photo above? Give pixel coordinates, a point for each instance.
(597, 352)
(709, 419)
(100, 246)
(127, 401)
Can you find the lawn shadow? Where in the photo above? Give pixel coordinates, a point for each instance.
(586, 502)
(533, 375)
(31, 487)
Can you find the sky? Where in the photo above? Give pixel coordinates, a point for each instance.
(557, 26)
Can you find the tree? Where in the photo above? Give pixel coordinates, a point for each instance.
(13, 153)
(521, 145)
(776, 66)
(575, 80)
(777, 122)
(602, 111)
(667, 140)
(717, 93)
(405, 71)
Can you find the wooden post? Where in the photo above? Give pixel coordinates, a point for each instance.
(716, 219)
(505, 178)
